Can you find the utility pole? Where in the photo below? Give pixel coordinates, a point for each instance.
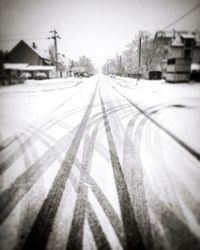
(108, 67)
(139, 62)
(120, 65)
(55, 36)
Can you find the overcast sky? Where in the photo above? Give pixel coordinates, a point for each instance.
(96, 28)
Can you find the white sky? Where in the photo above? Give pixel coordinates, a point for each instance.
(95, 28)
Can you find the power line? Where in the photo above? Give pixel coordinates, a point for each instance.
(26, 36)
(23, 34)
(20, 38)
(183, 16)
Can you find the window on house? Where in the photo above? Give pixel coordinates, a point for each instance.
(171, 61)
(187, 53)
(165, 51)
(166, 41)
(188, 43)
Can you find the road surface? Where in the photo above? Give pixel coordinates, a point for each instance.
(100, 163)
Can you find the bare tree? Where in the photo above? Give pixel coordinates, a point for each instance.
(86, 64)
(83, 66)
(52, 55)
(151, 54)
(148, 49)
(62, 64)
(130, 56)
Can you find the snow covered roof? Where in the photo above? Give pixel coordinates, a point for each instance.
(187, 36)
(195, 67)
(177, 42)
(15, 66)
(26, 67)
(165, 34)
(182, 34)
(43, 53)
(197, 39)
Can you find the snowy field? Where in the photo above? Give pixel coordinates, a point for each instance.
(100, 163)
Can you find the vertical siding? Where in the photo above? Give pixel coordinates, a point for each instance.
(196, 55)
(175, 52)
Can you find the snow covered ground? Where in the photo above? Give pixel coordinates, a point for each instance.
(100, 163)
(181, 105)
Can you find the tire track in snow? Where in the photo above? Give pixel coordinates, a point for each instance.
(108, 210)
(173, 223)
(134, 176)
(190, 150)
(176, 234)
(105, 204)
(97, 232)
(95, 227)
(9, 141)
(107, 207)
(28, 142)
(132, 234)
(12, 195)
(41, 229)
(14, 156)
(179, 200)
(134, 173)
(75, 239)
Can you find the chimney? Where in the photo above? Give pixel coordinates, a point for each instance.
(34, 45)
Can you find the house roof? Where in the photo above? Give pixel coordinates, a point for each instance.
(187, 36)
(172, 33)
(165, 34)
(176, 37)
(197, 39)
(195, 67)
(177, 41)
(43, 53)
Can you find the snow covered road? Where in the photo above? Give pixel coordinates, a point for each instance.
(100, 163)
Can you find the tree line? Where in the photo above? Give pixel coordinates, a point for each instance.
(83, 66)
(128, 61)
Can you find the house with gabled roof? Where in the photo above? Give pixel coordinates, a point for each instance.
(179, 44)
(183, 45)
(27, 58)
(24, 52)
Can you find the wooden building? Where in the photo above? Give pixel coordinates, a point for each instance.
(27, 60)
(25, 53)
(181, 45)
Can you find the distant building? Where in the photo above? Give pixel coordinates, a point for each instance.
(177, 44)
